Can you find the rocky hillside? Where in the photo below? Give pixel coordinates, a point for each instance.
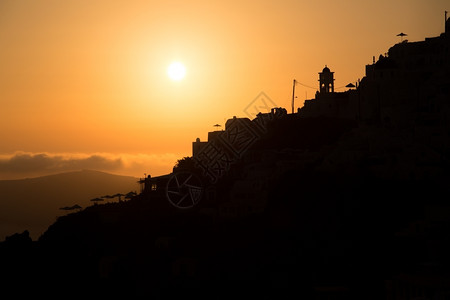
(335, 210)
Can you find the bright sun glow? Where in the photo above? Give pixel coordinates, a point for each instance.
(176, 71)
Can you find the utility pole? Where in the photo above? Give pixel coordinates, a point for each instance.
(293, 96)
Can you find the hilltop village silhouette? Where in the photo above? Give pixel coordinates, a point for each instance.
(346, 198)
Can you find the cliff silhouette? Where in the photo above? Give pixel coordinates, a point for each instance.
(345, 199)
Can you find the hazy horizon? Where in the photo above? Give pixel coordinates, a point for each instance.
(33, 204)
(56, 173)
(84, 84)
(21, 165)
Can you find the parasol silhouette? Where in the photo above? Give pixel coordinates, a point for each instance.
(401, 35)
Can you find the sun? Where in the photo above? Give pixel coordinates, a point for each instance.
(176, 71)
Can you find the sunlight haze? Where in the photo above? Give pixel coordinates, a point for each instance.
(86, 81)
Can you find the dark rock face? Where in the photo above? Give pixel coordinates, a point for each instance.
(321, 232)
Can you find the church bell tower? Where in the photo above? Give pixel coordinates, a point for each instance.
(326, 81)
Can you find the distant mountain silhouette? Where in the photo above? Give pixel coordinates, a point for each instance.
(34, 203)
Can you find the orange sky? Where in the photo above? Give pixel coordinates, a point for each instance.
(83, 83)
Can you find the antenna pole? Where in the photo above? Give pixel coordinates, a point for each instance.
(293, 96)
(445, 23)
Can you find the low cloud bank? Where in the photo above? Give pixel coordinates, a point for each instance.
(22, 165)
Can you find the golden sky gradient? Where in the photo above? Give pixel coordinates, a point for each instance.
(83, 83)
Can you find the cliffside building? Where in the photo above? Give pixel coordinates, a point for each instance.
(408, 87)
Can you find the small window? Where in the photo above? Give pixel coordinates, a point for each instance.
(154, 186)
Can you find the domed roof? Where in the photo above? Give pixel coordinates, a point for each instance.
(326, 70)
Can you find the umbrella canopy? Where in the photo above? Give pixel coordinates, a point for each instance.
(97, 199)
(119, 195)
(76, 206)
(401, 35)
(130, 195)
